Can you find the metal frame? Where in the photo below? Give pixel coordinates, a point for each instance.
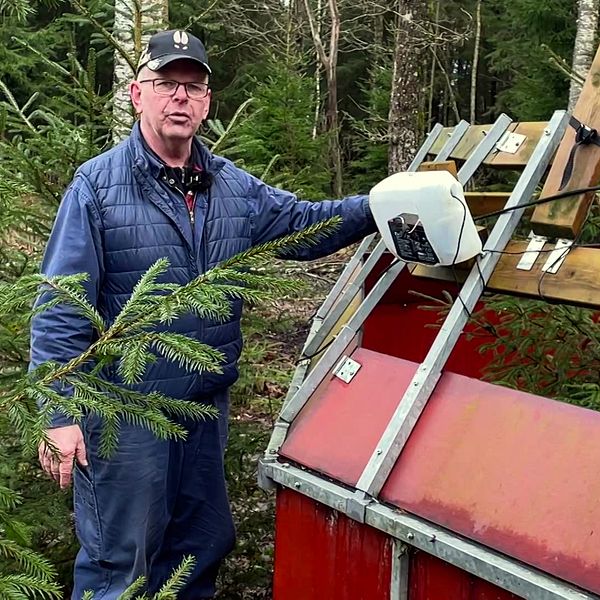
(328, 315)
(400, 567)
(425, 379)
(304, 383)
(333, 353)
(499, 569)
(361, 504)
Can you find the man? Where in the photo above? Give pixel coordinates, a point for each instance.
(160, 193)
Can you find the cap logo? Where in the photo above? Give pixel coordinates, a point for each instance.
(144, 58)
(154, 64)
(180, 40)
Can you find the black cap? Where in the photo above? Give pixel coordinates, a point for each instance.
(166, 46)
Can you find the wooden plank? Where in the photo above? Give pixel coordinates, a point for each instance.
(469, 141)
(481, 203)
(565, 218)
(441, 140)
(507, 160)
(576, 282)
(445, 165)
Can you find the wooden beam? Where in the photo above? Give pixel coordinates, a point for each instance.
(565, 218)
(481, 203)
(445, 165)
(576, 282)
(470, 141)
(532, 131)
(502, 160)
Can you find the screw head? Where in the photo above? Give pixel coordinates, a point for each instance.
(410, 536)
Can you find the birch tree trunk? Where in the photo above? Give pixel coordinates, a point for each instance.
(317, 115)
(583, 51)
(132, 18)
(473, 111)
(436, 28)
(403, 130)
(329, 63)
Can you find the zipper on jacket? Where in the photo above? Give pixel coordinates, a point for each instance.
(190, 204)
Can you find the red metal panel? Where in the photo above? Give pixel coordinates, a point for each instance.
(401, 327)
(433, 579)
(514, 471)
(338, 429)
(321, 554)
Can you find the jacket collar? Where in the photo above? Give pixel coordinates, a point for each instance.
(147, 160)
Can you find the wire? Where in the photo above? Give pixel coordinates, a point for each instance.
(317, 352)
(553, 198)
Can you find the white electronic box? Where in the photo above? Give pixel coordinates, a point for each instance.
(423, 218)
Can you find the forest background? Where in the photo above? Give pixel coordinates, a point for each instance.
(321, 97)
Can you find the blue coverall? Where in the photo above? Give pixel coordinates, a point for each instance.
(153, 502)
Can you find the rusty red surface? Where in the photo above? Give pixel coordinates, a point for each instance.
(516, 472)
(400, 325)
(432, 579)
(340, 426)
(321, 554)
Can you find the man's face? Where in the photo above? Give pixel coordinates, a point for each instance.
(174, 117)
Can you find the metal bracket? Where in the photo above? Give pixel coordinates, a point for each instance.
(346, 369)
(356, 506)
(510, 142)
(265, 482)
(536, 244)
(557, 256)
(271, 455)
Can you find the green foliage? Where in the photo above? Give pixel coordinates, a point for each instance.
(371, 141)
(23, 572)
(276, 141)
(551, 350)
(519, 30)
(131, 339)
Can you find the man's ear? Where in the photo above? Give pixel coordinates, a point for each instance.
(207, 105)
(135, 93)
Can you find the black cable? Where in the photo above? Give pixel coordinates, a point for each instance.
(553, 198)
(319, 351)
(460, 234)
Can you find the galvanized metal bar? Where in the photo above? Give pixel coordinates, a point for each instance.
(330, 317)
(344, 277)
(457, 133)
(499, 569)
(425, 379)
(340, 343)
(426, 146)
(400, 565)
(314, 343)
(419, 157)
(485, 146)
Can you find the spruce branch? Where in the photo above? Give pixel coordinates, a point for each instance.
(177, 580)
(134, 341)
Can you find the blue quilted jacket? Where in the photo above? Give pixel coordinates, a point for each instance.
(118, 217)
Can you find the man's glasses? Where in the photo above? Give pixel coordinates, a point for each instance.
(167, 87)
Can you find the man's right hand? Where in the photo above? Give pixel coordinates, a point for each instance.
(69, 442)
